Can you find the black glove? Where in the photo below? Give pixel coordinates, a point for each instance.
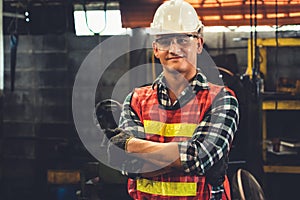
(119, 158)
(116, 147)
(215, 176)
(112, 132)
(120, 137)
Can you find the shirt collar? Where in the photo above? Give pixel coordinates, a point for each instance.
(199, 82)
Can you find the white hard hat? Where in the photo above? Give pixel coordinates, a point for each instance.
(175, 16)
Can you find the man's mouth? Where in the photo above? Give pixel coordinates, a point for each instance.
(174, 57)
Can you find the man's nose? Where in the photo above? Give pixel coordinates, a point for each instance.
(174, 47)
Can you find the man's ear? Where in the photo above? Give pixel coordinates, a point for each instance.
(200, 45)
(155, 49)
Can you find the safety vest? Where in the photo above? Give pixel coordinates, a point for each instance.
(165, 125)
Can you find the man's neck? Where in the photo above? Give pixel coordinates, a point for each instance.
(177, 82)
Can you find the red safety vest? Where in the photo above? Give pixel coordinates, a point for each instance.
(166, 125)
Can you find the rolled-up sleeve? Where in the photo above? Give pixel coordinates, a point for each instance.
(213, 135)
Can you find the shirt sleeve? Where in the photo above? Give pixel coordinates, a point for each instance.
(129, 119)
(213, 135)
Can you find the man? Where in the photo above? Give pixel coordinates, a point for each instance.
(180, 128)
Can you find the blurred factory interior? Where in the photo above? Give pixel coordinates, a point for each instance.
(255, 46)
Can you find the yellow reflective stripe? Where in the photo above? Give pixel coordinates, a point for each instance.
(169, 130)
(167, 188)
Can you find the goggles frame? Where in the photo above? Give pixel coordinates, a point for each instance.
(182, 40)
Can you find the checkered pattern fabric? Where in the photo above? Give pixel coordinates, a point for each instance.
(213, 108)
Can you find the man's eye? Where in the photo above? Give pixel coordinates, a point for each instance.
(183, 40)
(164, 42)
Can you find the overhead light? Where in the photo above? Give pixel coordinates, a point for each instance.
(250, 28)
(211, 17)
(276, 15)
(295, 14)
(216, 29)
(98, 18)
(13, 15)
(232, 17)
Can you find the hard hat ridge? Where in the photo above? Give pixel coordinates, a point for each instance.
(175, 16)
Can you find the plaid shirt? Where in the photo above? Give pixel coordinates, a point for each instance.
(213, 135)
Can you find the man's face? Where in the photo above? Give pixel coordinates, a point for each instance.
(178, 52)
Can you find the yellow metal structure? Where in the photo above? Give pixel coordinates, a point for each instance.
(281, 105)
(269, 105)
(263, 43)
(282, 169)
(272, 105)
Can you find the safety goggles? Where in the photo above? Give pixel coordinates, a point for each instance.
(182, 40)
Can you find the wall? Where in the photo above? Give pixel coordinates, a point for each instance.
(38, 129)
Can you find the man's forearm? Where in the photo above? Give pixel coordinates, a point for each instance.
(159, 154)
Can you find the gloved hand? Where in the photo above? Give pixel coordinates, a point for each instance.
(117, 156)
(112, 132)
(215, 176)
(119, 137)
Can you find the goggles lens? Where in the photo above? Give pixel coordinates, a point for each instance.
(183, 41)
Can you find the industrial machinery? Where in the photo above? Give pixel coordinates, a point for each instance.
(99, 181)
(245, 186)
